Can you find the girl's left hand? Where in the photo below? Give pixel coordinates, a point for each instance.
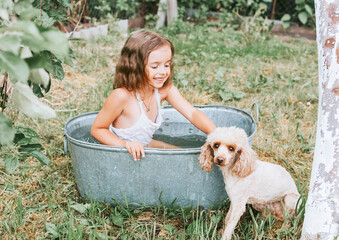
(136, 149)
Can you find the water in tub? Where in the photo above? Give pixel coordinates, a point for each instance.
(186, 141)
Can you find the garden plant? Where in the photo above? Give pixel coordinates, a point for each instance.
(214, 64)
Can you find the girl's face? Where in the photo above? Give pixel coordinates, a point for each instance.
(158, 66)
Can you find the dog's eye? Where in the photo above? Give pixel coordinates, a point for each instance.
(216, 145)
(231, 149)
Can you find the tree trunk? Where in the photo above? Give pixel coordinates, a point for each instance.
(322, 207)
(172, 11)
(162, 8)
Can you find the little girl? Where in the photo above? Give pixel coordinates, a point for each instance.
(132, 112)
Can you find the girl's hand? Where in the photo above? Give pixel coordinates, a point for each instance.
(136, 149)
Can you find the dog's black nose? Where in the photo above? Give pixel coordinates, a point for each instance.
(220, 160)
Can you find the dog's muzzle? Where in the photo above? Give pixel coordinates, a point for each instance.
(220, 160)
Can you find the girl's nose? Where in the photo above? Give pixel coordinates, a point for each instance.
(162, 70)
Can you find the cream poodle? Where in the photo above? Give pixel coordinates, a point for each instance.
(247, 179)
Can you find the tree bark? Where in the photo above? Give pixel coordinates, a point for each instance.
(322, 207)
(161, 14)
(172, 11)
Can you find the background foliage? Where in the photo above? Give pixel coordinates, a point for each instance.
(30, 50)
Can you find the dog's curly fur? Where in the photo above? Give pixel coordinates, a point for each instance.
(267, 186)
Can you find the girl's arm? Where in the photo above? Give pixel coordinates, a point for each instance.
(195, 116)
(113, 107)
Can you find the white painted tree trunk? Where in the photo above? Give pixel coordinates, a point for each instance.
(172, 11)
(161, 14)
(322, 207)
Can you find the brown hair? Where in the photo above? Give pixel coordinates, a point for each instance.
(130, 70)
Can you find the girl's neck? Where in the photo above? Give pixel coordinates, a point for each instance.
(146, 93)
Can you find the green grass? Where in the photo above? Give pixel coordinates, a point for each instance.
(212, 66)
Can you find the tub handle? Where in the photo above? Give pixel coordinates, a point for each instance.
(255, 105)
(65, 145)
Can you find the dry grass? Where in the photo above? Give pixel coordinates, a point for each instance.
(37, 200)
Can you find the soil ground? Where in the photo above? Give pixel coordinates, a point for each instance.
(294, 31)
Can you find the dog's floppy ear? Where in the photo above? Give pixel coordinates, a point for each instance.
(206, 157)
(244, 161)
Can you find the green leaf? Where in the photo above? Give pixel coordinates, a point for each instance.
(7, 132)
(30, 147)
(11, 164)
(27, 132)
(44, 20)
(309, 10)
(118, 220)
(238, 94)
(25, 10)
(44, 60)
(15, 66)
(37, 91)
(40, 156)
(303, 17)
(28, 28)
(286, 25)
(39, 76)
(56, 70)
(52, 229)
(29, 14)
(10, 43)
(225, 95)
(56, 42)
(38, 61)
(286, 18)
(81, 208)
(24, 99)
(66, 3)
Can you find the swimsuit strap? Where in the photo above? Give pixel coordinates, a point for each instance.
(157, 97)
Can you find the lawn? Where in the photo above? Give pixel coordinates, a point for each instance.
(213, 65)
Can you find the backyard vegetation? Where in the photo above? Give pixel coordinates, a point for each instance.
(213, 65)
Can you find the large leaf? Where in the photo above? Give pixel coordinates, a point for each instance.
(25, 10)
(39, 76)
(44, 20)
(309, 10)
(24, 99)
(40, 156)
(10, 43)
(303, 17)
(15, 66)
(28, 28)
(56, 42)
(7, 132)
(11, 164)
(286, 18)
(27, 132)
(38, 61)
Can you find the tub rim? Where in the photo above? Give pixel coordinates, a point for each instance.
(152, 150)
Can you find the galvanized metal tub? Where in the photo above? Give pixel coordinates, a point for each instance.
(164, 176)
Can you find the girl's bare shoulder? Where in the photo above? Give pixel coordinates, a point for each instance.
(120, 94)
(164, 91)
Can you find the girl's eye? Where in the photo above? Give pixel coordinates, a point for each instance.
(231, 149)
(167, 65)
(154, 67)
(216, 145)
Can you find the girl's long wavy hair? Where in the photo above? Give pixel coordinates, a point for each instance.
(131, 68)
